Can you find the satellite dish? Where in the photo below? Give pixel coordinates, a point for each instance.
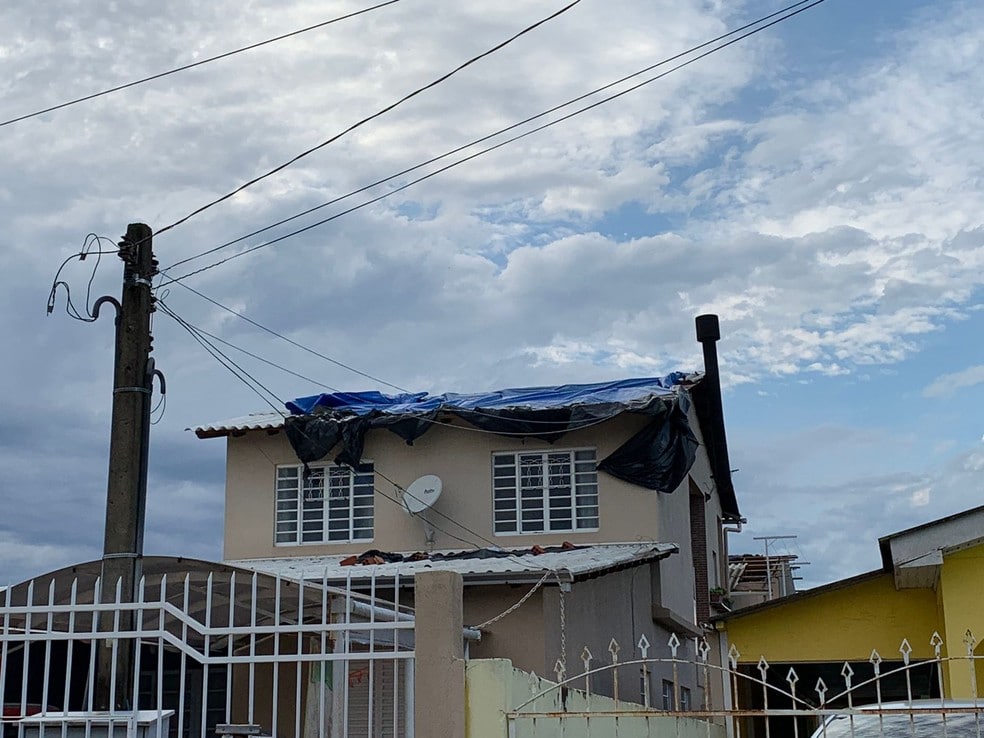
(422, 494)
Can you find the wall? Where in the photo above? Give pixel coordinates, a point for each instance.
(617, 605)
(519, 636)
(462, 458)
(493, 688)
(961, 599)
(839, 624)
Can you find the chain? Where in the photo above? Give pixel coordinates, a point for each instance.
(563, 624)
(519, 604)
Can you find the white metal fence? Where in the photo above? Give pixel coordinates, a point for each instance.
(649, 696)
(212, 652)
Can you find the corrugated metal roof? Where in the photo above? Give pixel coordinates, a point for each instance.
(578, 562)
(253, 421)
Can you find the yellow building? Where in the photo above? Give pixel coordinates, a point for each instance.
(910, 629)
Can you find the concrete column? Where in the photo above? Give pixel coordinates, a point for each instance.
(439, 664)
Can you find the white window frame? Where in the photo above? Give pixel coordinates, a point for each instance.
(508, 501)
(302, 510)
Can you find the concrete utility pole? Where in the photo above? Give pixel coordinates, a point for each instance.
(128, 456)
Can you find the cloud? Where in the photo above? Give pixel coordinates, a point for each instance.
(839, 535)
(949, 384)
(833, 219)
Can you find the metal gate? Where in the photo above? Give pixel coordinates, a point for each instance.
(211, 649)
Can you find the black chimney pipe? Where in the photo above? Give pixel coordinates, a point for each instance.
(708, 334)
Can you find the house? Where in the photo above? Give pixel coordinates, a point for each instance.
(600, 508)
(754, 578)
(909, 629)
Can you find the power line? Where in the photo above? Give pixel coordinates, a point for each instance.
(430, 522)
(375, 115)
(237, 371)
(292, 342)
(512, 434)
(411, 183)
(261, 359)
(195, 64)
(487, 137)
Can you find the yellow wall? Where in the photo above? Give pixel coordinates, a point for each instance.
(842, 624)
(961, 598)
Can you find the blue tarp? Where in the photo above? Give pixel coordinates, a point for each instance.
(657, 457)
(626, 392)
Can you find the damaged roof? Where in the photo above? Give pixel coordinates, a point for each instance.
(627, 394)
(474, 565)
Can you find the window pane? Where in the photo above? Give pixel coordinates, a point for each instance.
(554, 490)
(343, 497)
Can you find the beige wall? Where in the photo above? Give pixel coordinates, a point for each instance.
(494, 689)
(462, 458)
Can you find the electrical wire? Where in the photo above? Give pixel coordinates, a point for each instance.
(513, 139)
(292, 342)
(485, 138)
(470, 429)
(430, 522)
(88, 244)
(265, 361)
(194, 64)
(372, 117)
(237, 371)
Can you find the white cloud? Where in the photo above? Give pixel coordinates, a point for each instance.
(949, 384)
(834, 221)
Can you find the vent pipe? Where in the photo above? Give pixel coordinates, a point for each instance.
(708, 334)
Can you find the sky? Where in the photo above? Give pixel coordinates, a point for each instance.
(818, 185)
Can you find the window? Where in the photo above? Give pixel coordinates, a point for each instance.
(545, 491)
(668, 701)
(334, 504)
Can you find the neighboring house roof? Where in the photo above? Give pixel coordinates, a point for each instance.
(913, 556)
(477, 566)
(916, 554)
(799, 596)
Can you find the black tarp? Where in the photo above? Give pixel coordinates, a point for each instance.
(658, 457)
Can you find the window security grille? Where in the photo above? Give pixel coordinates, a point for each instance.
(545, 492)
(333, 504)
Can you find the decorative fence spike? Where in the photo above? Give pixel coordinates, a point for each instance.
(534, 681)
(875, 660)
(613, 649)
(733, 655)
(847, 672)
(821, 690)
(703, 649)
(937, 643)
(763, 666)
(970, 642)
(586, 658)
(792, 677)
(643, 645)
(674, 644)
(560, 669)
(906, 650)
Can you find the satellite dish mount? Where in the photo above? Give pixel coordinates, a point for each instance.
(421, 496)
